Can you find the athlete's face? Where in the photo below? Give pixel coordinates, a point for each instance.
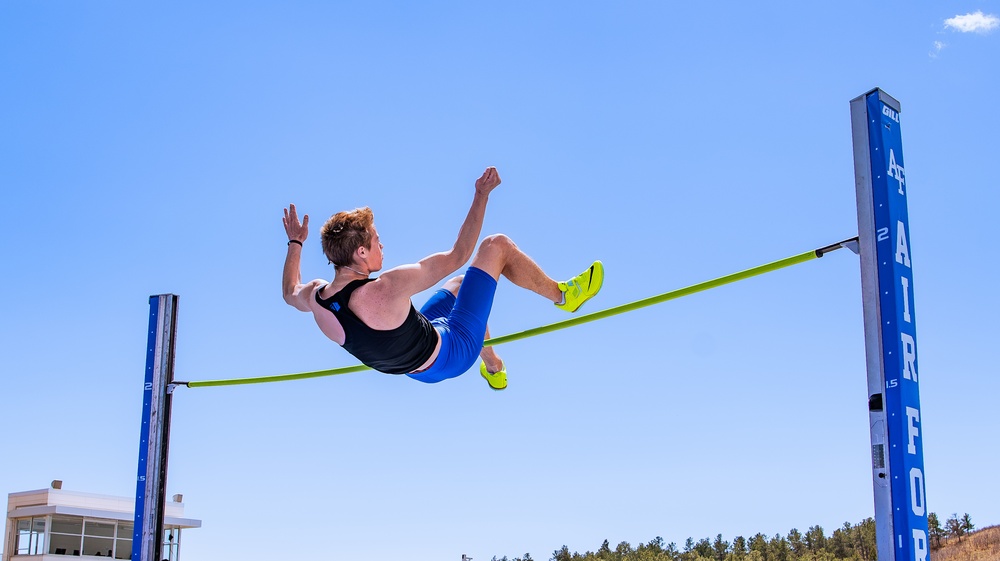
(374, 255)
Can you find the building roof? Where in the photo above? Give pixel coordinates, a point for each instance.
(73, 503)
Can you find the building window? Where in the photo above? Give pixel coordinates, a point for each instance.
(66, 535)
(123, 542)
(77, 536)
(98, 538)
(171, 544)
(30, 536)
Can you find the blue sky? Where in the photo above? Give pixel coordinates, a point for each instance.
(147, 149)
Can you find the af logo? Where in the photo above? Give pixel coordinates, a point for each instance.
(896, 171)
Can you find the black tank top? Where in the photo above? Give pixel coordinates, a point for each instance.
(394, 351)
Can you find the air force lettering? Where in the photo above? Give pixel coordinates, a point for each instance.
(897, 334)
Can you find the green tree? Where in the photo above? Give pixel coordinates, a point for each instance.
(739, 546)
(815, 539)
(704, 549)
(819, 556)
(967, 525)
(652, 551)
(758, 544)
(778, 550)
(720, 548)
(865, 544)
(840, 544)
(954, 526)
(562, 554)
(795, 542)
(935, 530)
(604, 552)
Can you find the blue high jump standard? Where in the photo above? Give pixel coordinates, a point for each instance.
(890, 330)
(154, 436)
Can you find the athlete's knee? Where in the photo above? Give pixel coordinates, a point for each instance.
(493, 254)
(453, 284)
(499, 243)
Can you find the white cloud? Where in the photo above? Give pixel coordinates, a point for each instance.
(977, 22)
(938, 47)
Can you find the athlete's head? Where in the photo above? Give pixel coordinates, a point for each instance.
(345, 232)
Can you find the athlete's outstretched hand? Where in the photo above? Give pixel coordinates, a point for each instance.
(488, 181)
(295, 230)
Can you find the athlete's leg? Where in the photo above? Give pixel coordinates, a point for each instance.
(499, 255)
(489, 356)
(453, 284)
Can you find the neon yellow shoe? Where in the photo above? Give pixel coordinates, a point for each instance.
(582, 287)
(496, 380)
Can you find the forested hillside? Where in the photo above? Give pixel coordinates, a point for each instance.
(981, 545)
(955, 540)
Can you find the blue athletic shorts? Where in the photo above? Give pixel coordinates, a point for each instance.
(461, 322)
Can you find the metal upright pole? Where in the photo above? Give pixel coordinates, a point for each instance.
(890, 330)
(154, 438)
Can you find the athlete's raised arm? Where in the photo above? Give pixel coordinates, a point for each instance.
(408, 280)
(293, 291)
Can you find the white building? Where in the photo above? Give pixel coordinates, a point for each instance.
(51, 524)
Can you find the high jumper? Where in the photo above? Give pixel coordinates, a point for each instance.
(374, 318)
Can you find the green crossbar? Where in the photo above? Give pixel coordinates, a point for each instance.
(672, 295)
